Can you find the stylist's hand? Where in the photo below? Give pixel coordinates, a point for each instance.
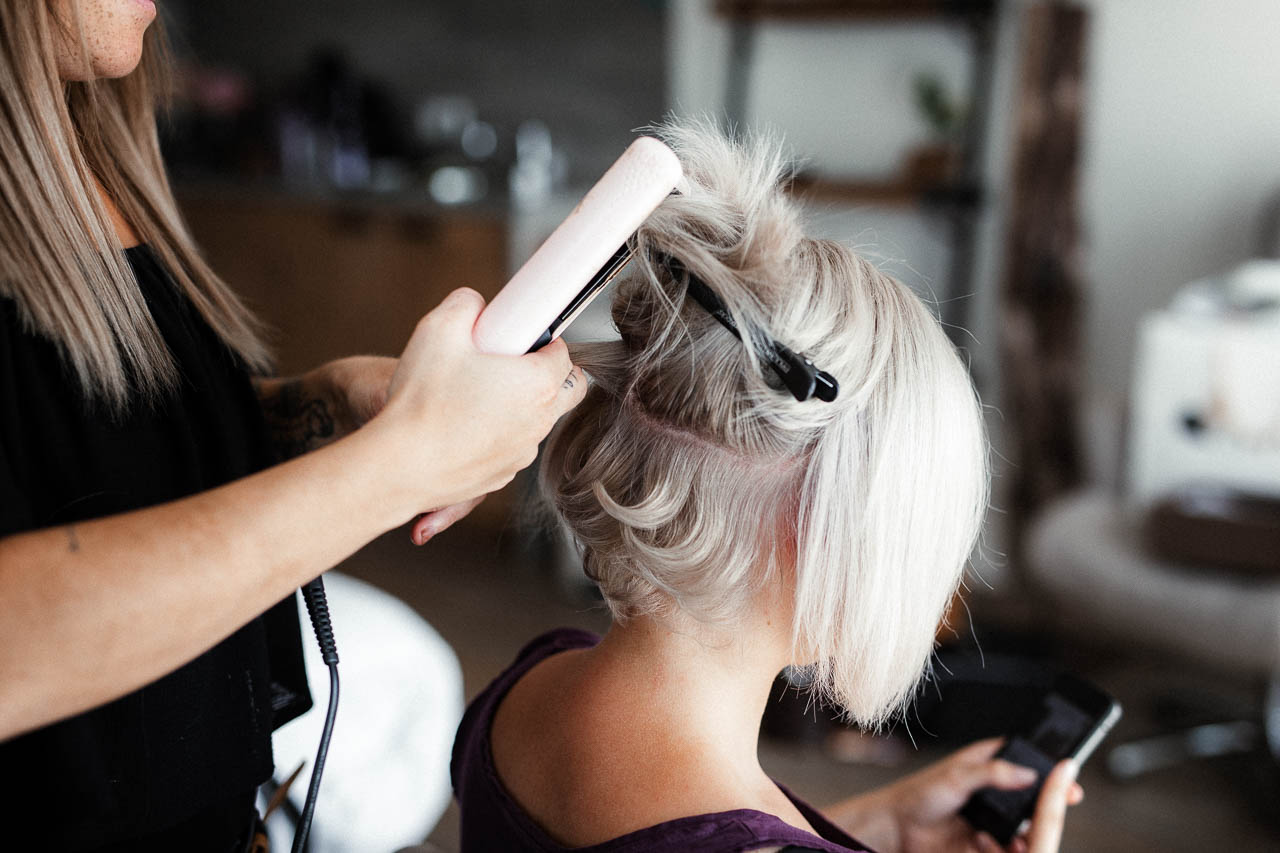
(357, 388)
(924, 808)
(461, 423)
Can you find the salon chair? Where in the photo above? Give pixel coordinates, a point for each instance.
(386, 779)
(1085, 553)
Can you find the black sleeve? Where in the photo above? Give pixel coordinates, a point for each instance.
(15, 507)
(15, 515)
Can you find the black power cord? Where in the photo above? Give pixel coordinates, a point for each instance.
(318, 610)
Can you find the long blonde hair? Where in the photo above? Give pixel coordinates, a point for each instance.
(60, 260)
(693, 481)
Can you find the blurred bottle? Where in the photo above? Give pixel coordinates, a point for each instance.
(539, 169)
(321, 132)
(440, 120)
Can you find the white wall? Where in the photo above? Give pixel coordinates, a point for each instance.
(1182, 147)
(840, 93)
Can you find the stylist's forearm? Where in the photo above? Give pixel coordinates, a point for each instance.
(94, 610)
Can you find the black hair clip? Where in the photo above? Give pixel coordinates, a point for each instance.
(798, 373)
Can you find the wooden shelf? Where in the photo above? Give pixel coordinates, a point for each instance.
(886, 193)
(885, 10)
(953, 201)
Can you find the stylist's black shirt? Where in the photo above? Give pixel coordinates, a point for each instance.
(172, 766)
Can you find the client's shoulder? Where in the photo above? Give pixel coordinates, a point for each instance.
(589, 763)
(471, 743)
(537, 650)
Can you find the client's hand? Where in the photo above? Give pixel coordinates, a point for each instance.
(920, 812)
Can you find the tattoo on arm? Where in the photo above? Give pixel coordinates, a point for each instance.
(73, 541)
(298, 422)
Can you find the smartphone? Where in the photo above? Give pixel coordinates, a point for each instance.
(1069, 722)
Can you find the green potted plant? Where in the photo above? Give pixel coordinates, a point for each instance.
(937, 160)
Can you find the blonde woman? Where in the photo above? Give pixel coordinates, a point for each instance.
(734, 529)
(144, 537)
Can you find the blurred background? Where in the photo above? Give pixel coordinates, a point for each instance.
(1088, 192)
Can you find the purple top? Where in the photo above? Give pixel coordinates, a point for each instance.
(493, 820)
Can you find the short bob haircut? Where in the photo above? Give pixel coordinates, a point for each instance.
(693, 481)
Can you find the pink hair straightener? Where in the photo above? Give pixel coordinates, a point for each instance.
(581, 256)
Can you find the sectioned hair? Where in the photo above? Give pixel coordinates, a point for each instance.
(693, 482)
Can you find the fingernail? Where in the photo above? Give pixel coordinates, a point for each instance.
(1073, 768)
(430, 530)
(1025, 775)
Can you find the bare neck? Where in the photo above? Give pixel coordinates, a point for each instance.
(712, 686)
(651, 725)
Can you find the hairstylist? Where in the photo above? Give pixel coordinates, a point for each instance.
(142, 529)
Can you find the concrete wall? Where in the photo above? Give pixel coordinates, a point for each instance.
(592, 71)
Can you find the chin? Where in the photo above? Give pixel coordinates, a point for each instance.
(120, 64)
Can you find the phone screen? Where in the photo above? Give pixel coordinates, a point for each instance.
(1070, 716)
(1062, 727)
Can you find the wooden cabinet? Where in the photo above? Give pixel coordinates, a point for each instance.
(332, 278)
(335, 278)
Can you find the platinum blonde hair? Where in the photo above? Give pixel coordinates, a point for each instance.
(693, 481)
(60, 260)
